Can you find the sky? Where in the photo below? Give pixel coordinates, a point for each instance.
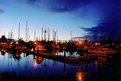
(110, 25)
(81, 17)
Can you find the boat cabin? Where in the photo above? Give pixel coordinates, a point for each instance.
(39, 47)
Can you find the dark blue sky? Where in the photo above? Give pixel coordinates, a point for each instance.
(110, 24)
(65, 15)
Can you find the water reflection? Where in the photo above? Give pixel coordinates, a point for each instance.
(79, 76)
(82, 74)
(30, 65)
(35, 64)
(38, 60)
(3, 51)
(17, 56)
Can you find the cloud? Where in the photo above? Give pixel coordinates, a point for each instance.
(110, 24)
(109, 9)
(58, 5)
(2, 11)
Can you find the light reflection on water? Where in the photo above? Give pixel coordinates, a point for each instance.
(36, 66)
(79, 76)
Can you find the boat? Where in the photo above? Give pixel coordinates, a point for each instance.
(104, 49)
(39, 47)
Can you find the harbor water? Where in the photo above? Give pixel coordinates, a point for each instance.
(29, 67)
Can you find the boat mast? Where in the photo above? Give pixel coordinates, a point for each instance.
(48, 34)
(42, 34)
(71, 35)
(57, 35)
(26, 31)
(34, 35)
(19, 31)
(45, 34)
(11, 34)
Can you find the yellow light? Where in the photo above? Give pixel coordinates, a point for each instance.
(79, 76)
(80, 42)
(96, 43)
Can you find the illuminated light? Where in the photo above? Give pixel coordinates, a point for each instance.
(80, 42)
(32, 50)
(96, 43)
(4, 50)
(35, 64)
(17, 55)
(35, 43)
(79, 76)
(11, 43)
(17, 42)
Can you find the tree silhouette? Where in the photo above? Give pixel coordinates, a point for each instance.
(3, 38)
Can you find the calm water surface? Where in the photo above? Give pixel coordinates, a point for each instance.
(36, 68)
